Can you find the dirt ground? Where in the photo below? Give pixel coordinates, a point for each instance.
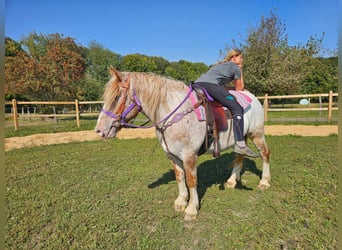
(56, 138)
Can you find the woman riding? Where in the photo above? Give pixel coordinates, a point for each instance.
(214, 80)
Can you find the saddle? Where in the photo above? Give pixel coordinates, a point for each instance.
(216, 119)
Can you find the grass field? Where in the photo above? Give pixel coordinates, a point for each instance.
(119, 194)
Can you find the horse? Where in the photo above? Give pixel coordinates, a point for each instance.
(166, 103)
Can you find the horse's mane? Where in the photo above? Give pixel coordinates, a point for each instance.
(153, 90)
(111, 91)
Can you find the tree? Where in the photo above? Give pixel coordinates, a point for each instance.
(323, 76)
(161, 64)
(99, 59)
(50, 68)
(16, 61)
(138, 63)
(185, 71)
(91, 90)
(12, 48)
(270, 64)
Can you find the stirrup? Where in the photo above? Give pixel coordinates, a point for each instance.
(245, 151)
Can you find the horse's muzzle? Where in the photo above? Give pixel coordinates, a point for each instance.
(107, 133)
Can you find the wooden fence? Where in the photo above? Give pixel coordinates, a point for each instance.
(15, 115)
(329, 108)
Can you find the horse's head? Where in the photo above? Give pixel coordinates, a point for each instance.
(119, 105)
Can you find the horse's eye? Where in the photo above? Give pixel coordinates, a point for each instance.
(117, 99)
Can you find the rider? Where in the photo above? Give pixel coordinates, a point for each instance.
(214, 80)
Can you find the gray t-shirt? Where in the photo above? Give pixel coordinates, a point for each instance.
(221, 74)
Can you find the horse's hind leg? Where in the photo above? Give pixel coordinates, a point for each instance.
(237, 167)
(182, 200)
(261, 144)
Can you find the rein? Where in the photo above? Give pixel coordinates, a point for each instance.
(120, 117)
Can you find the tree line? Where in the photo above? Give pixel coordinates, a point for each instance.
(54, 67)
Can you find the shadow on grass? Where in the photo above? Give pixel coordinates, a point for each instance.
(213, 172)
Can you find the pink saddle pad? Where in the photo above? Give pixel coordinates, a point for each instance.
(243, 99)
(199, 111)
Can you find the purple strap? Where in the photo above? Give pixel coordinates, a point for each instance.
(114, 116)
(137, 103)
(129, 109)
(205, 92)
(136, 100)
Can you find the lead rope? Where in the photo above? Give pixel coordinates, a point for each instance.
(136, 102)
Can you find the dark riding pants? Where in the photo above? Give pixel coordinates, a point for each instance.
(222, 95)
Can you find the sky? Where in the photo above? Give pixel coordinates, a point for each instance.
(191, 30)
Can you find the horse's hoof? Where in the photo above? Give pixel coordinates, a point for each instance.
(230, 184)
(263, 185)
(190, 217)
(179, 208)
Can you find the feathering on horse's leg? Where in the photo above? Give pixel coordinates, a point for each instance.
(182, 200)
(236, 173)
(191, 180)
(260, 143)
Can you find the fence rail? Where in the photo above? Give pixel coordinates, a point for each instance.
(329, 108)
(77, 113)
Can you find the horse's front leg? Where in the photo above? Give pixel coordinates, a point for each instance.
(182, 200)
(236, 173)
(191, 180)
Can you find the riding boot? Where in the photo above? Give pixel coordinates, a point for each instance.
(240, 144)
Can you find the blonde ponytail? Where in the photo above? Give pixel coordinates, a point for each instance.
(231, 54)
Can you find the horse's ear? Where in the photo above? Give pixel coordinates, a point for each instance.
(113, 72)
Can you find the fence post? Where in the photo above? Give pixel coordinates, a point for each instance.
(330, 106)
(265, 107)
(15, 114)
(77, 113)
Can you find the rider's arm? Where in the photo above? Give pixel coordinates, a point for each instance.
(239, 84)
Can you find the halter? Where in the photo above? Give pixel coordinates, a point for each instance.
(121, 115)
(122, 112)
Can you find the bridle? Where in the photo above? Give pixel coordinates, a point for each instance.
(121, 115)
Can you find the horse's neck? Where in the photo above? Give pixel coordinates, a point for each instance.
(157, 97)
(160, 110)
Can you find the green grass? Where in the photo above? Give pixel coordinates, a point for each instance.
(302, 117)
(49, 127)
(119, 194)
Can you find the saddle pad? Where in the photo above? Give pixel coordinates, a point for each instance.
(200, 112)
(243, 99)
